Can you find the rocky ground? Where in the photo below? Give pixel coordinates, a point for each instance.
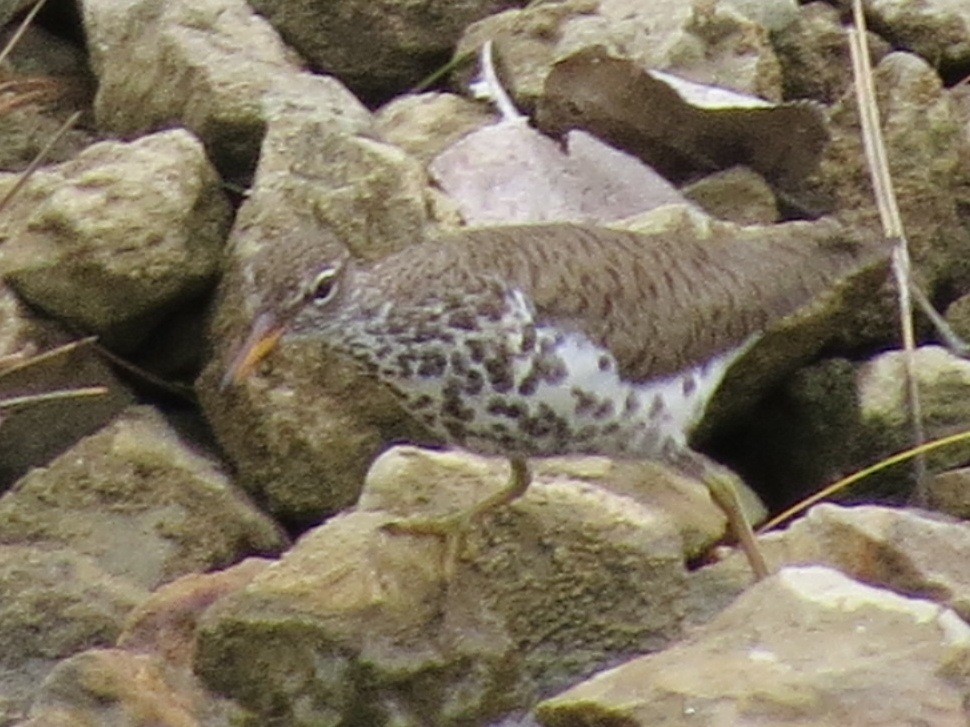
(178, 553)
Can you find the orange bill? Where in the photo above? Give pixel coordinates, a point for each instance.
(262, 339)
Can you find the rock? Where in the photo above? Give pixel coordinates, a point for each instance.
(773, 16)
(958, 316)
(509, 173)
(806, 646)
(903, 551)
(912, 553)
(943, 380)
(116, 268)
(141, 502)
(930, 154)
(302, 436)
(834, 418)
(362, 626)
(949, 492)
(938, 30)
(217, 69)
(376, 48)
(53, 73)
(425, 124)
(408, 480)
(706, 43)
(691, 130)
(165, 622)
(737, 195)
(10, 9)
(814, 54)
(55, 604)
(31, 435)
(110, 686)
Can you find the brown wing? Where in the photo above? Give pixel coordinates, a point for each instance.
(659, 302)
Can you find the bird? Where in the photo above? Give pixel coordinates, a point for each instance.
(535, 340)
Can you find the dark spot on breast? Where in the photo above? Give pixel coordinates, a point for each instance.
(585, 402)
(499, 374)
(474, 381)
(604, 410)
(491, 311)
(528, 338)
(476, 349)
(632, 404)
(422, 402)
(456, 430)
(529, 384)
(383, 351)
(508, 442)
(432, 364)
(656, 406)
(551, 369)
(422, 334)
(498, 406)
(463, 319)
(548, 345)
(605, 363)
(688, 385)
(611, 428)
(453, 408)
(405, 365)
(544, 423)
(459, 364)
(452, 388)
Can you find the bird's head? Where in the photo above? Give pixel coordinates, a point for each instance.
(295, 303)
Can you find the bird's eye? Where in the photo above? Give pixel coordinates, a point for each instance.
(323, 286)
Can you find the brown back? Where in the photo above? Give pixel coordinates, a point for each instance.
(659, 302)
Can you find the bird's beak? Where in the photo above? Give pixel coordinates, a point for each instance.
(262, 339)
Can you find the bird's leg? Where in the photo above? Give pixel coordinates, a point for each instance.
(720, 483)
(519, 478)
(452, 528)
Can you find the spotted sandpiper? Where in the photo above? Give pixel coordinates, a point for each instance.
(551, 339)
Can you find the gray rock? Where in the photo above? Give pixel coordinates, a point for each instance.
(835, 417)
(938, 30)
(165, 623)
(55, 603)
(215, 68)
(911, 553)
(774, 15)
(53, 73)
(930, 161)
(140, 501)
(737, 195)
(111, 241)
(122, 689)
(949, 492)
(814, 54)
(31, 435)
(408, 480)
(808, 646)
(958, 316)
(362, 626)
(376, 48)
(9, 8)
(713, 43)
(425, 124)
